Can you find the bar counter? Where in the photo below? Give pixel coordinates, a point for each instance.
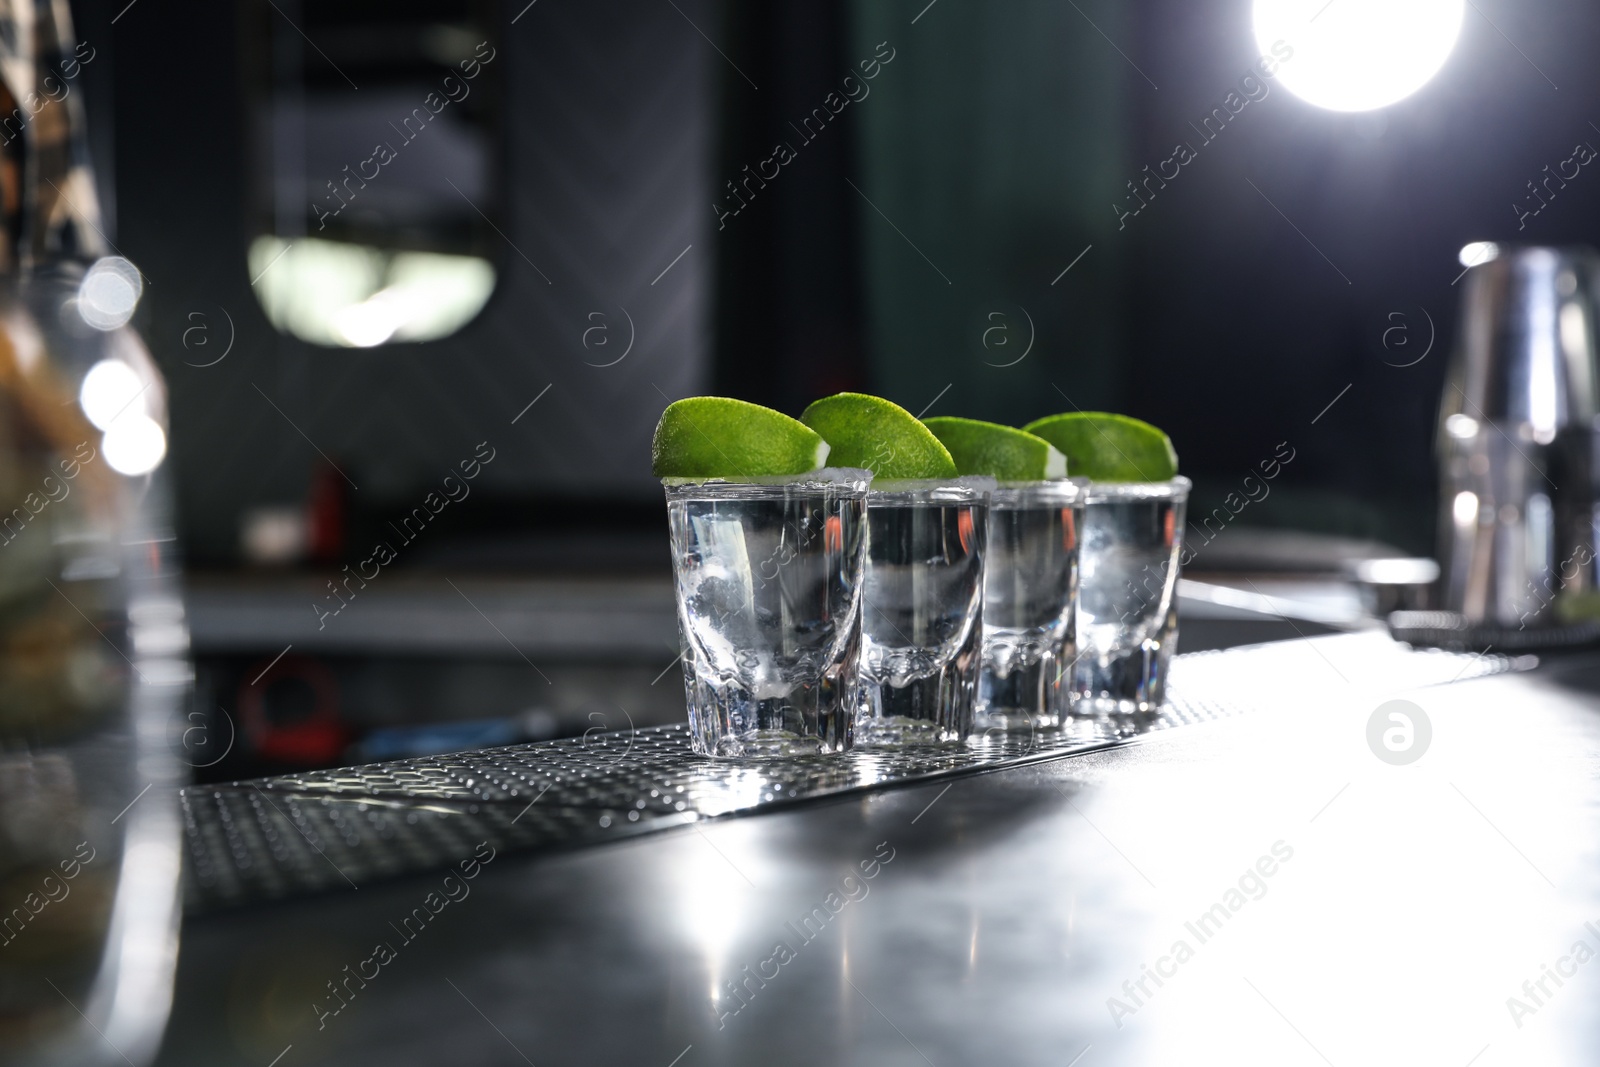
(1220, 891)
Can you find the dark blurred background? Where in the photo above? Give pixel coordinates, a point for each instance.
(950, 238)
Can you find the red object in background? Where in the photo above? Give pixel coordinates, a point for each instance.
(326, 504)
(316, 740)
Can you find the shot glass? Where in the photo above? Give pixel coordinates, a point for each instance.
(1127, 596)
(768, 578)
(1029, 587)
(922, 610)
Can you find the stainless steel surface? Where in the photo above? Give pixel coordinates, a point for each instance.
(1012, 909)
(1516, 437)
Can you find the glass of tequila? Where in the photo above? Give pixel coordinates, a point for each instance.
(768, 575)
(1029, 588)
(922, 610)
(1127, 597)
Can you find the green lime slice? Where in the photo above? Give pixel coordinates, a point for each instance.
(884, 438)
(999, 451)
(718, 437)
(1109, 448)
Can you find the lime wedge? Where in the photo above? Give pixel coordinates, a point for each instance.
(718, 437)
(1109, 448)
(884, 438)
(998, 451)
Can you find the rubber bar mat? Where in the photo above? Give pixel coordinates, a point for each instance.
(296, 834)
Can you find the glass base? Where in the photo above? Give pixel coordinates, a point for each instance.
(1021, 699)
(809, 720)
(898, 731)
(1015, 720)
(1128, 682)
(1100, 707)
(935, 709)
(770, 744)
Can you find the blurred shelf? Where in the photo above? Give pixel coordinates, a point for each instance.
(434, 613)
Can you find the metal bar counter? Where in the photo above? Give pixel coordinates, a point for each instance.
(1280, 873)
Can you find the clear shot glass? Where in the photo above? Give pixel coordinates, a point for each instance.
(768, 575)
(1127, 596)
(922, 610)
(1029, 589)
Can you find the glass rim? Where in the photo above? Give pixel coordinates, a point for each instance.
(850, 480)
(963, 488)
(1176, 488)
(1048, 490)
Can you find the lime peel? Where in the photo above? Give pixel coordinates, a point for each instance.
(877, 435)
(720, 437)
(1002, 452)
(1107, 447)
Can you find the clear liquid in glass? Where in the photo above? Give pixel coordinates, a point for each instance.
(768, 583)
(1127, 602)
(1030, 583)
(922, 612)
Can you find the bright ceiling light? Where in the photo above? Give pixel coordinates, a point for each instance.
(369, 323)
(1357, 55)
(109, 293)
(361, 296)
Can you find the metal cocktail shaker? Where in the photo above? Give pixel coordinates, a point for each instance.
(1516, 439)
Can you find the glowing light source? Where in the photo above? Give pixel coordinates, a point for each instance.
(134, 445)
(360, 296)
(109, 292)
(1465, 509)
(369, 323)
(1477, 252)
(1357, 55)
(109, 389)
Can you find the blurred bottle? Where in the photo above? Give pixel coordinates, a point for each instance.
(93, 645)
(1517, 438)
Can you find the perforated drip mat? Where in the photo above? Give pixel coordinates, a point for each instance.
(271, 838)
